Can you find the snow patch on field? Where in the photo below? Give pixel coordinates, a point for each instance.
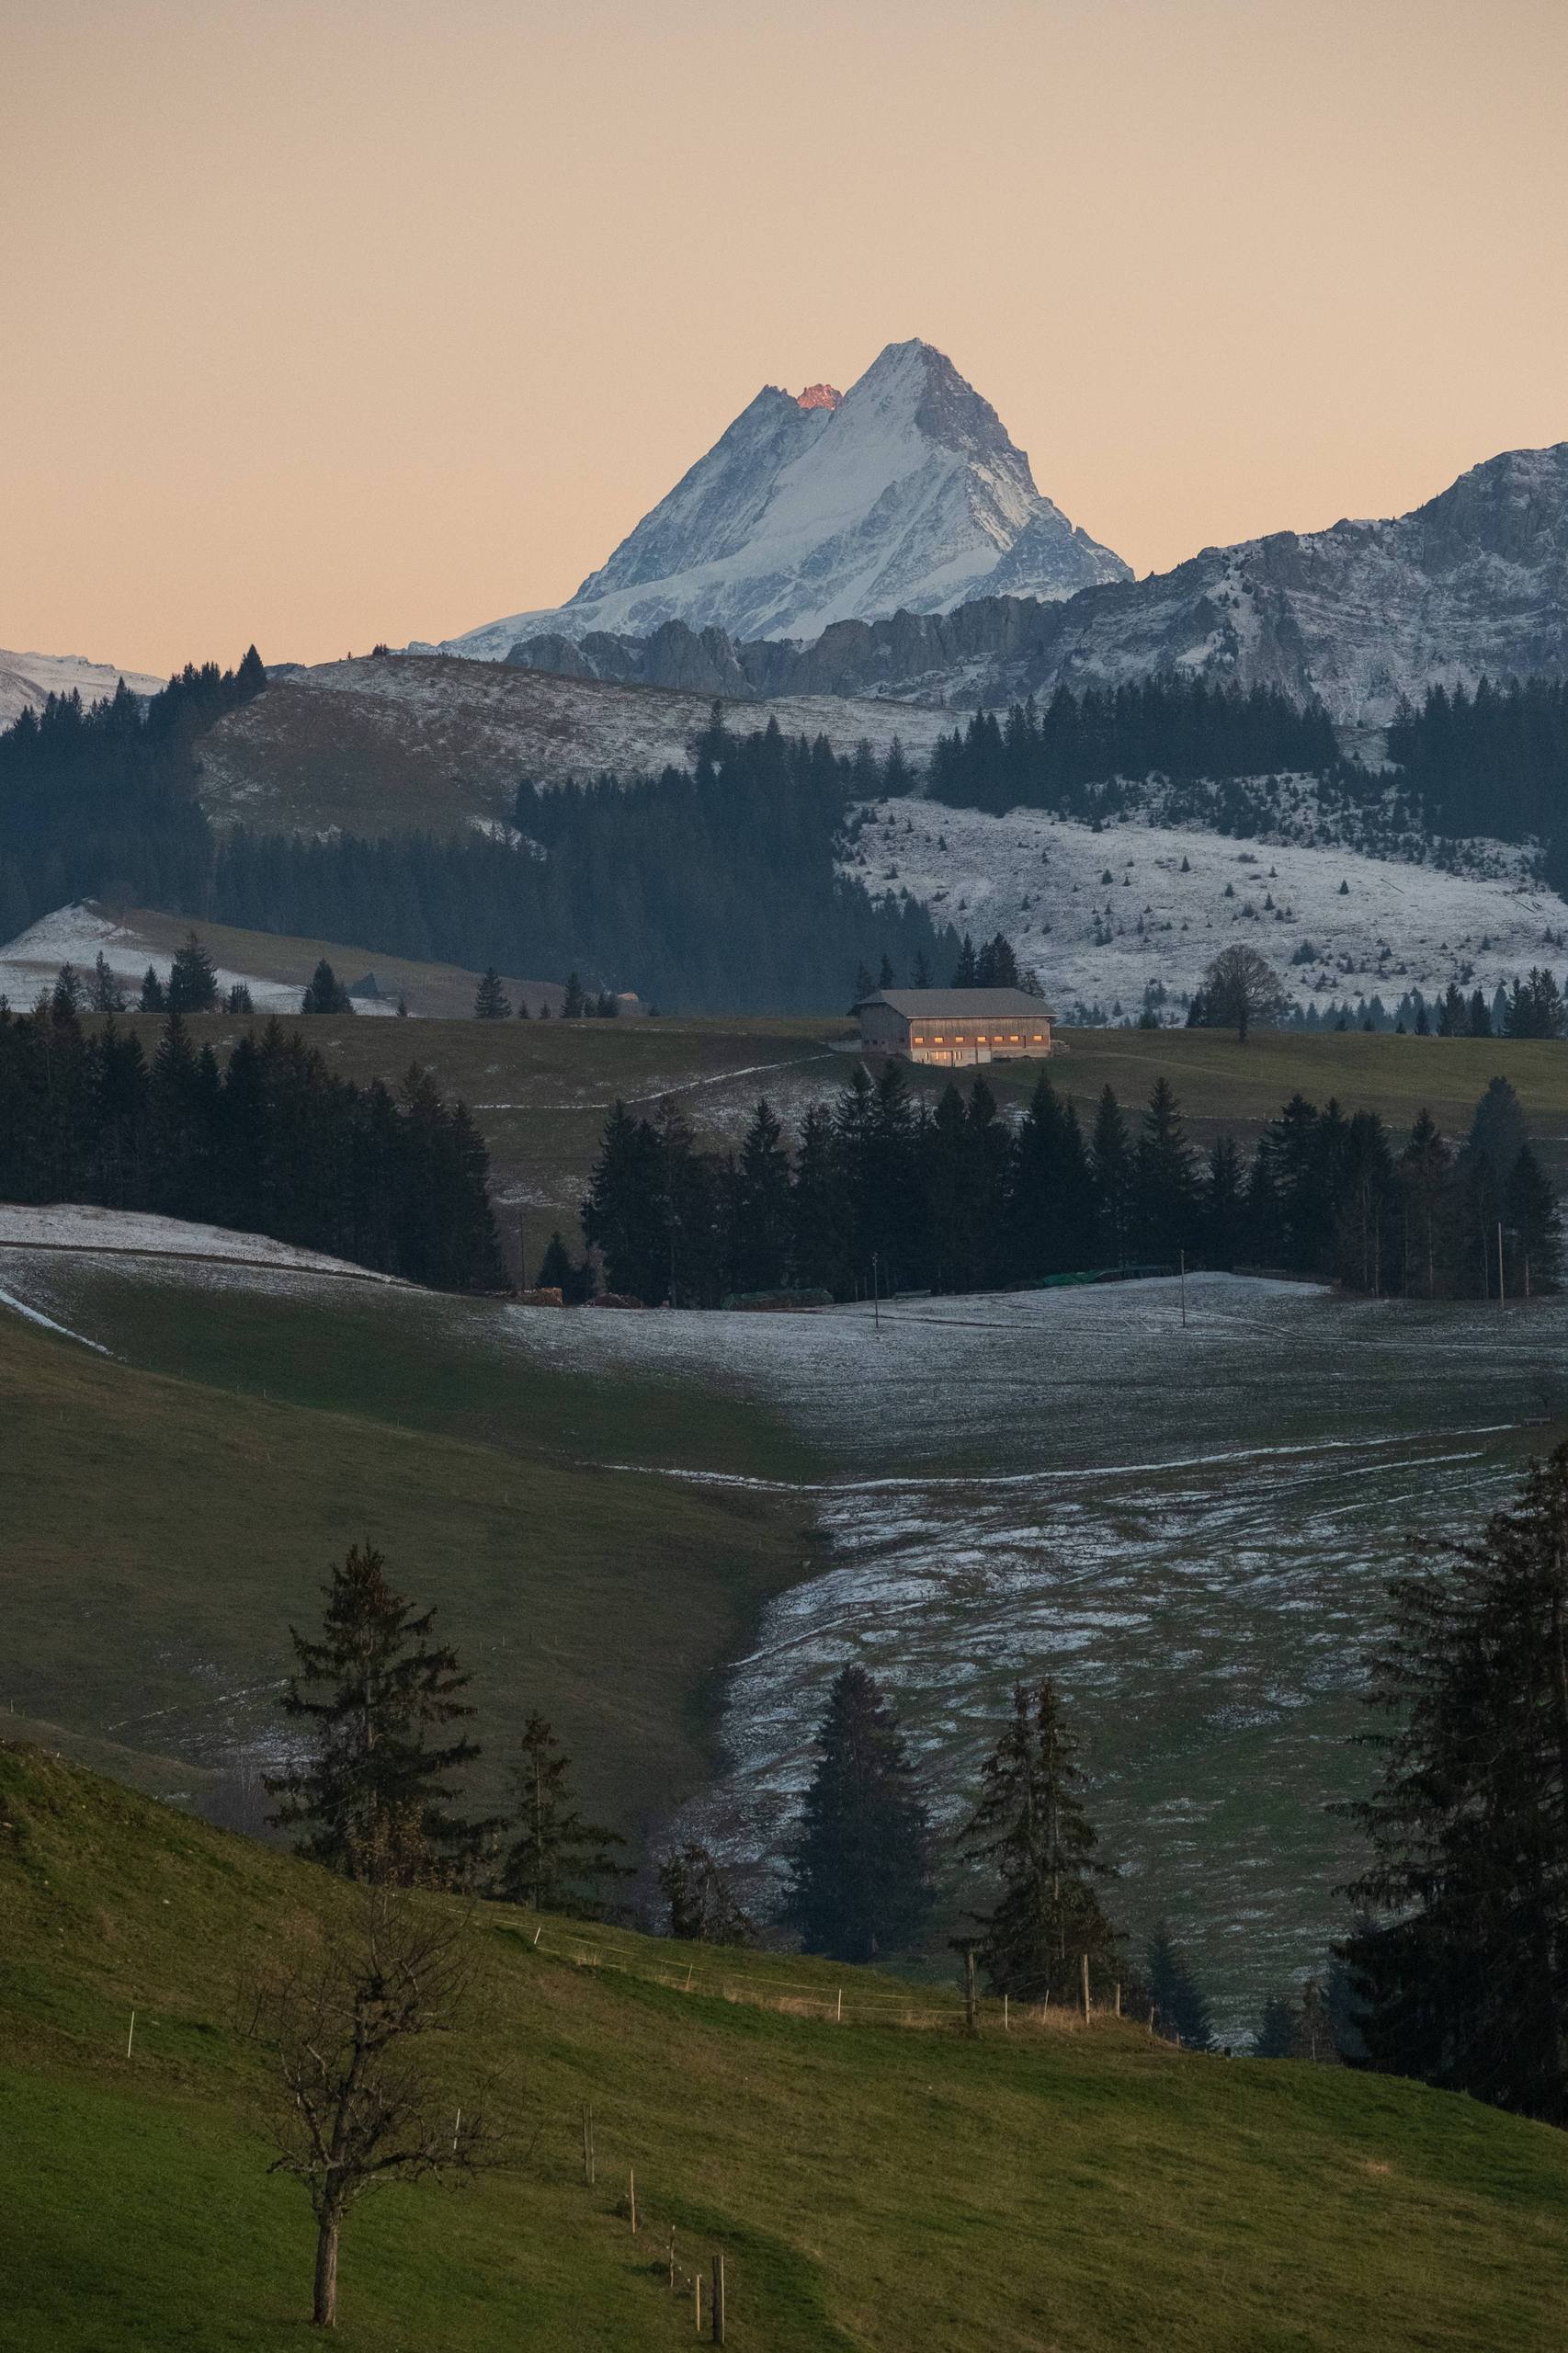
(1162, 913)
(78, 1226)
(79, 935)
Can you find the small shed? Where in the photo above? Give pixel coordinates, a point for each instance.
(953, 1027)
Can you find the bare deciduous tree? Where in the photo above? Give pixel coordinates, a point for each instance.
(1240, 988)
(360, 2098)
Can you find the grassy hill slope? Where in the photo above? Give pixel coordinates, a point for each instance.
(160, 1533)
(872, 2186)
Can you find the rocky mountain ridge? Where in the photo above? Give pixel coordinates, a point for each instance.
(1474, 581)
(904, 493)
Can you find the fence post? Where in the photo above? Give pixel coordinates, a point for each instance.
(697, 2298)
(1086, 1985)
(968, 1991)
(1007, 2024)
(631, 2197)
(588, 2144)
(717, 2300)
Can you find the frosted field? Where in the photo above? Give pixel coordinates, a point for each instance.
(1191, 1529)
(1041, 880)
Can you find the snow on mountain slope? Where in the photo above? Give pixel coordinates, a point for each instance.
(1473, 582)
(906, 492)
(26, 679)
(1101, 915)
(394, 740)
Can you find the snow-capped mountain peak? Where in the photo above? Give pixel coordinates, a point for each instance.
(906, 491)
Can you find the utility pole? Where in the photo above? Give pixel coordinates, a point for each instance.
(876, 1291)
(1502, 1297)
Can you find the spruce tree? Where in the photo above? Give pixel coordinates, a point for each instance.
(759, 1232)
(556, 1862)
(193, 982)
(1179, 2008)
(1165, 1183)
(703, 1906)
(374, 1692)
(1460, 1975)
(1031, 1832)
(152, 999)
(1111, 1158)
(1276, 2036)
(1051, 1203)
(324, 991)
(491, 1002)
(859, 1865)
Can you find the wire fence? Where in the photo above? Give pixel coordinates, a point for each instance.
(840, 2004)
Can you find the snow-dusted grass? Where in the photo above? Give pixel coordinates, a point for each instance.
(79, 1226)
(1191, 1526)
(1163, 912)
(79, 935)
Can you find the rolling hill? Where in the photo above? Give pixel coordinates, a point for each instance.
(871, 2183)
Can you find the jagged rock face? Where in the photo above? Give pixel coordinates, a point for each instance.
(905, 493)
(1473, 582)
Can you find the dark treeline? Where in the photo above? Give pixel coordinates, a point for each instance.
(709, 891)
(100, 802)
(273, 1143)
(881, 1192)
(1061, 756)
(1494, 761)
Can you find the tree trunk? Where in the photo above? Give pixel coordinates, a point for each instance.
(325, 2315)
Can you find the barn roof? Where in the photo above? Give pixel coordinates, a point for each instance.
(958, 1005)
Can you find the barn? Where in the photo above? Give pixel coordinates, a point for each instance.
(954, 1027)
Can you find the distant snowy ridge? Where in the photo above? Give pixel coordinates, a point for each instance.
(69, 1226)
(27, 679)
(906, 492)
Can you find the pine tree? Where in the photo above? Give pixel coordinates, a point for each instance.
(1164, 1182)
(372, 1800)
(1110, 1159)
(759, 1234)
(324, 993)
(703, 1906)
(1531, 1224)
(556, 1862)
(964, 972)
(859, 1865)
(1179, 2008)
(193, 982)
(1030, 1830)
(1051, 1205)
(107, 996)
(152, 999)
(1276, 2036)
(491, 1002)
(1460, 1975)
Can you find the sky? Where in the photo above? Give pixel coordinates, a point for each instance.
(336, 323)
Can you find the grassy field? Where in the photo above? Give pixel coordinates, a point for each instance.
(161, 1531)
(873, 2187)
(541, 1090)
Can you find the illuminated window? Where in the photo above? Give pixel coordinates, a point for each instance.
(1014, 1040)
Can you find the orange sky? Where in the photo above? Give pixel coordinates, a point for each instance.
(353, 320)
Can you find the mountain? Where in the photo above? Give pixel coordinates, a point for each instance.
(1475, 581)
(26, 678)
(904, 493)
